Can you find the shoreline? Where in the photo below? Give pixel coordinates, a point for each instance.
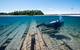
(42, 15)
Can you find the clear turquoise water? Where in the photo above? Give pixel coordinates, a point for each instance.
(71, 24)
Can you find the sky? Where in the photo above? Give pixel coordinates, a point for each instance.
(46, 6)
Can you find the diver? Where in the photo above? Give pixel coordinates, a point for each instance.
(53, 24)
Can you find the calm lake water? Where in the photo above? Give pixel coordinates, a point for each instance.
(71, 24)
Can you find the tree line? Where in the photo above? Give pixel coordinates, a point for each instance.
(25, 12)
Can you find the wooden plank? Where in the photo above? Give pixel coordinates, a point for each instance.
(8, 28)
(4, 32)
(38, 38)
(51, 44)
(15, 43)
(3, 37)
(27, 41)
(54, 44)
(7, 40)
(41, 40)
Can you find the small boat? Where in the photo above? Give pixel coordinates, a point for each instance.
(53, 24)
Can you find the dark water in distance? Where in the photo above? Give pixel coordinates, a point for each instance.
(71, 24)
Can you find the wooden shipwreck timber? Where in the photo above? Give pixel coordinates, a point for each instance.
(22, 37)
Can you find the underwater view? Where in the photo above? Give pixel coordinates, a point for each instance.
(20, 32)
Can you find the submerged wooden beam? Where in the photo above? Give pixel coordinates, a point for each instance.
(19, 39)
(16, 42)
(34, 39)
(5, 35)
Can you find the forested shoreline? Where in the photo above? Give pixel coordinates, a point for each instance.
(25, 12)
